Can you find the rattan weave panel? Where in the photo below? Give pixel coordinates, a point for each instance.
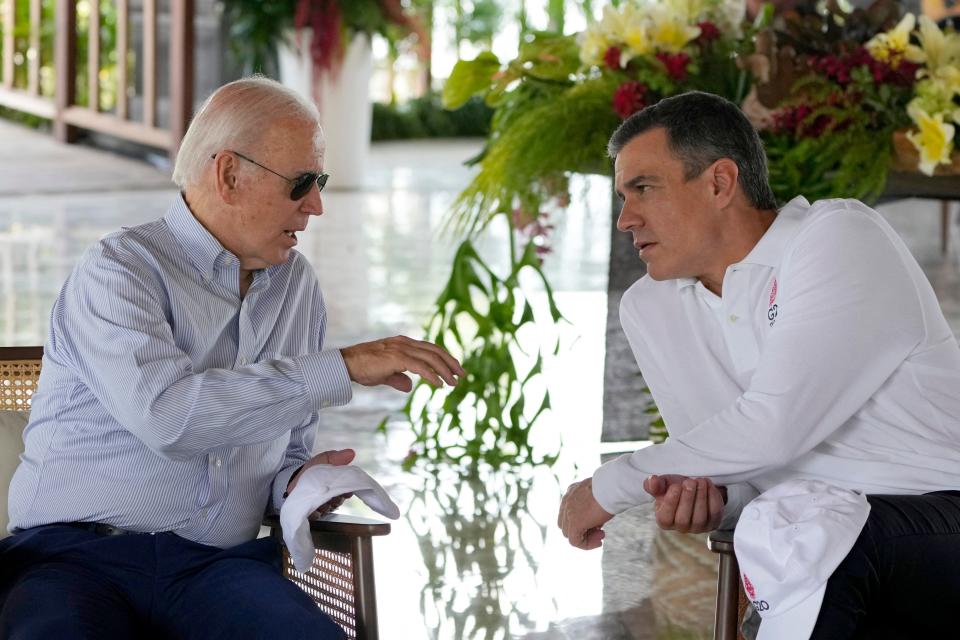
(18, 379)
(330, 583)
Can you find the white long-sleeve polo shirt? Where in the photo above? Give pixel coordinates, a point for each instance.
(827, 357)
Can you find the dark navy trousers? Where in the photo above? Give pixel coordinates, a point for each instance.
(902, 577)
(62, 582)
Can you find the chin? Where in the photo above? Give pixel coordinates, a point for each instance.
(656, 273)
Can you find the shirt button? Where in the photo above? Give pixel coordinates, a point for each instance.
(325, 404)
(734, 317)
(243, 361)
(203, 514)
(217, 462)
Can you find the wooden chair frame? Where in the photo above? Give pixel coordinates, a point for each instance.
(341, 579)
(731, 601)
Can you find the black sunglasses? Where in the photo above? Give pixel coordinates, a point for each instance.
(301, 184)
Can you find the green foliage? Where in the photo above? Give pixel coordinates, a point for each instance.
(469, 77)
(256, 28)
(534, 148)
(849, 155)
(107, 64)
(838, 164)
(26, 119)
(488, 415)
(475, 21)
(425, 118)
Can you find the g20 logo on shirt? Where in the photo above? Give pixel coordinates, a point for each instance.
(771, 306)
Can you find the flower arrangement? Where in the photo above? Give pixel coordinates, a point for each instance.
(665, 47)
(835, 134)
(256, 27)
(333, 21)
(637, 54)
(935, 104)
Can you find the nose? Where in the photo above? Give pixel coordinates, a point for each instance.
(312, 203)
(629, 217)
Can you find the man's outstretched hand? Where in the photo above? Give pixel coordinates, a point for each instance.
(581, 516)
(385, 361)
(687, 505)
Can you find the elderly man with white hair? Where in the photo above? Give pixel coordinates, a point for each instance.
(182, 379)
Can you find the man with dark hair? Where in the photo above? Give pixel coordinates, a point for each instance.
(793, 347)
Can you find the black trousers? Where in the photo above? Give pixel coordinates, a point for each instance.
(901, 579)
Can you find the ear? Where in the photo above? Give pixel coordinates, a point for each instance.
(723, 175)
(227, 177)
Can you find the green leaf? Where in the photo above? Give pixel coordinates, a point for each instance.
(468, 78)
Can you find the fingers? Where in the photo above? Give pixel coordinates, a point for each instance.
(693, 505)
(655, 486)
(333, 504)
(449, 362)
(685, 507)
(580, 517)
(430, 361)
(593, 539)
(384, 361)
(701, 507)
(665, 507)
(716, 508)
(335, 457)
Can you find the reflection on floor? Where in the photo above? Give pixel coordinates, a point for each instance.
(472, 557)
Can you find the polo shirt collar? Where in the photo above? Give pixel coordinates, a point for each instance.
(204, 251)
(769, 249)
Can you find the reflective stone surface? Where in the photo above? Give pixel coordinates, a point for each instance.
(472, 556)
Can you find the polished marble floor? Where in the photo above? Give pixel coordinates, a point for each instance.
(471, 557)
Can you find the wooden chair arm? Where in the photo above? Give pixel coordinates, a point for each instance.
(339, 524)
(341, 580)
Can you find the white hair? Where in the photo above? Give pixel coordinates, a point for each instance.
(235, 115)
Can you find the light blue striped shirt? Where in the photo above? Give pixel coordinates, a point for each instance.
(167, 403)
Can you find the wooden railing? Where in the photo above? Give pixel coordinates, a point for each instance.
(62, 108)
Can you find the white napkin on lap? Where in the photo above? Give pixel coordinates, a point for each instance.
(316, 486)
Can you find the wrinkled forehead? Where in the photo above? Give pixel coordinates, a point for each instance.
(296, 142)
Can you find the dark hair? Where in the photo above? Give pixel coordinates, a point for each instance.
(702, 128)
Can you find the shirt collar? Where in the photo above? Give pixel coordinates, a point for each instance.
(769, 249)
(204, 251)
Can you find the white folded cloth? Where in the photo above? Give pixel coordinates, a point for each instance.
(316, 486)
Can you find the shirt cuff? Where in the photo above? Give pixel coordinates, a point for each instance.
(280, 482)
(618, 486)
(327, 378)
(738, 496)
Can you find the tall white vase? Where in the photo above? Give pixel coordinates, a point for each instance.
(344, 104)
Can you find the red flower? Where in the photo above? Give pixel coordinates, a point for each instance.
(612, 58)
(708, 32)
(839, 67)
(796, 121)
(676, 64)
(629, 98)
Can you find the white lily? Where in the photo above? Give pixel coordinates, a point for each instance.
(933, 138)
(890, 46)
